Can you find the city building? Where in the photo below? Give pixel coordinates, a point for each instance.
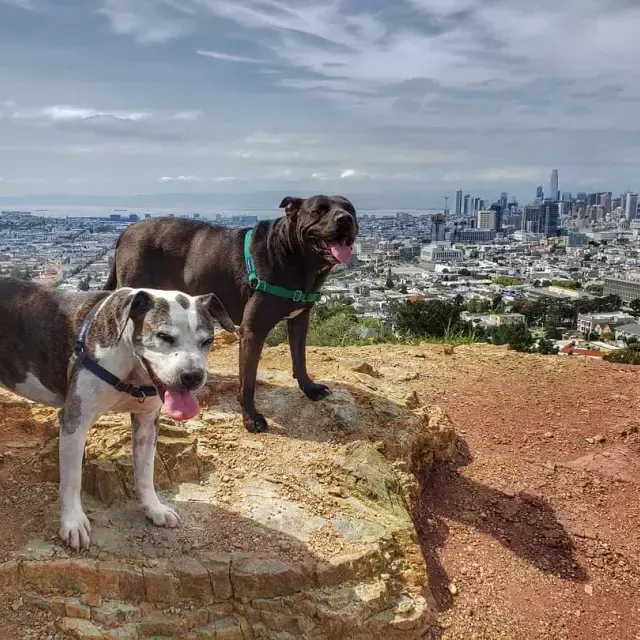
(595, 322)
(438, 228)
(631, 206)
(554, 193)
(474, 236)
(458, 202)
(466, 209)
(626, 290)
(487, 219)
(440, 253)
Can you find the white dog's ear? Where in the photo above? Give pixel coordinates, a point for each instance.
(127, 304)
(217, 311)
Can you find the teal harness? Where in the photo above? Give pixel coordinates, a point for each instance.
(260, 285)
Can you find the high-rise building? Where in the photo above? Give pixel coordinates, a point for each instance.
(467, 199)
(476, 204)
(554, 194)
(631, 206)
(605, 201)
(458, 202)
(551, 219)
(438, 228)
(503, 200)
(486, 220)
(540, 193)
(566, 196)
(541, 218)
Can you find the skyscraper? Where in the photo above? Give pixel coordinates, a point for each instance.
(467, 198)
(458, 202)
(437, 228)
(540, 193)
(553, 186)
(631, 206)
(503, 200)
(551, 219)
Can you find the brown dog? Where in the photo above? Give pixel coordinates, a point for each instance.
(273, 277)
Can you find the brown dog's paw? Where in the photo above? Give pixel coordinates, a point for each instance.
(316, 392)
(256, 423)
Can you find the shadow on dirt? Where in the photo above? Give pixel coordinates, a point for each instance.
(523, 523)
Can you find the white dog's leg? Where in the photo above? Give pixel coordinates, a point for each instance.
(144, 433)
(76, 418)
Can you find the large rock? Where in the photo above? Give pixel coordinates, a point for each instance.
(304, 532)
(108, 464)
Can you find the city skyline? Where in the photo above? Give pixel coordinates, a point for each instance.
(115, 97)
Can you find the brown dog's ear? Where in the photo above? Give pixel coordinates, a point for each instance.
(217, 311)
(291, 205)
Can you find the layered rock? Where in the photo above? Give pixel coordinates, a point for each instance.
(304, 532)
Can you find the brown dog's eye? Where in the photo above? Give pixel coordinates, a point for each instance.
(165, 337)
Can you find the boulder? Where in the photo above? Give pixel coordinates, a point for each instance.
(303, 532)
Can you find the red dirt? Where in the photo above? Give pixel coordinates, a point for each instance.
(536, 548)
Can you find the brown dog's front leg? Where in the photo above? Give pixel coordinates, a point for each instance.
(298, 328)
(251, 345)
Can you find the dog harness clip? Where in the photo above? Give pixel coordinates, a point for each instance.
(260, 285)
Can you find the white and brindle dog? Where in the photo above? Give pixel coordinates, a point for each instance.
(129, 350)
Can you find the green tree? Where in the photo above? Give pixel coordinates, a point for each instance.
(506, 281)
(515, 335)
(546, 347)
(432, 318)
(635, 306)
(403, 288)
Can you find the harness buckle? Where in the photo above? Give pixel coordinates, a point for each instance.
(259, 285)
(298, 295)
(123, 387)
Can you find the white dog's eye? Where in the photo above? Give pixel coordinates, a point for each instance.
(206, 343)
(165, 337)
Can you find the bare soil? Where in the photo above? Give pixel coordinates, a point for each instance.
(531, 533)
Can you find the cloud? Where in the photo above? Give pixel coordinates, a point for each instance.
(179, 179)
(349, 173)
(28, 5)
(147, 21)
(228, 57)
(319, 176)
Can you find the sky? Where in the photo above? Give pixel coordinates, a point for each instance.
(244, 101)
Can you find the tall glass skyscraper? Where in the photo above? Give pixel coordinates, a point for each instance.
(553, 186)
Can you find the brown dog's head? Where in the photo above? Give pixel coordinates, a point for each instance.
(325, 224)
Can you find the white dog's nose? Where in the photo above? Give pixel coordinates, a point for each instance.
(192, 379)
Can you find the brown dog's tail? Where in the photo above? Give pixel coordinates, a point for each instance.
(112, 280)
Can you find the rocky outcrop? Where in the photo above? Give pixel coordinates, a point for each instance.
(304, 532)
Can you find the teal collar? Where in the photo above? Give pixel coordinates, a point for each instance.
(260, 285)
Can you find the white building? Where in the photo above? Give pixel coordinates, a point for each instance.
(440, 253)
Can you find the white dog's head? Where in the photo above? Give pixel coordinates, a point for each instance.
(172, 335)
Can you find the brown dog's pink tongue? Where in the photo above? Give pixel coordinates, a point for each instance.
(180, 405)
(341, 252)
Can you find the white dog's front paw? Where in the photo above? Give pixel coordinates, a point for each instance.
(162, 516)
(75, 531)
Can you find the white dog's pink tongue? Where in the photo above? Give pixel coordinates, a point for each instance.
(180, 405)
(341, 252)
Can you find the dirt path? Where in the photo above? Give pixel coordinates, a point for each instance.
(533, 533)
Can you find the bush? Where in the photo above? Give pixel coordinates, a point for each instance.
(506, 281)
(428, 318)
(630, 355)
(515, 335)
